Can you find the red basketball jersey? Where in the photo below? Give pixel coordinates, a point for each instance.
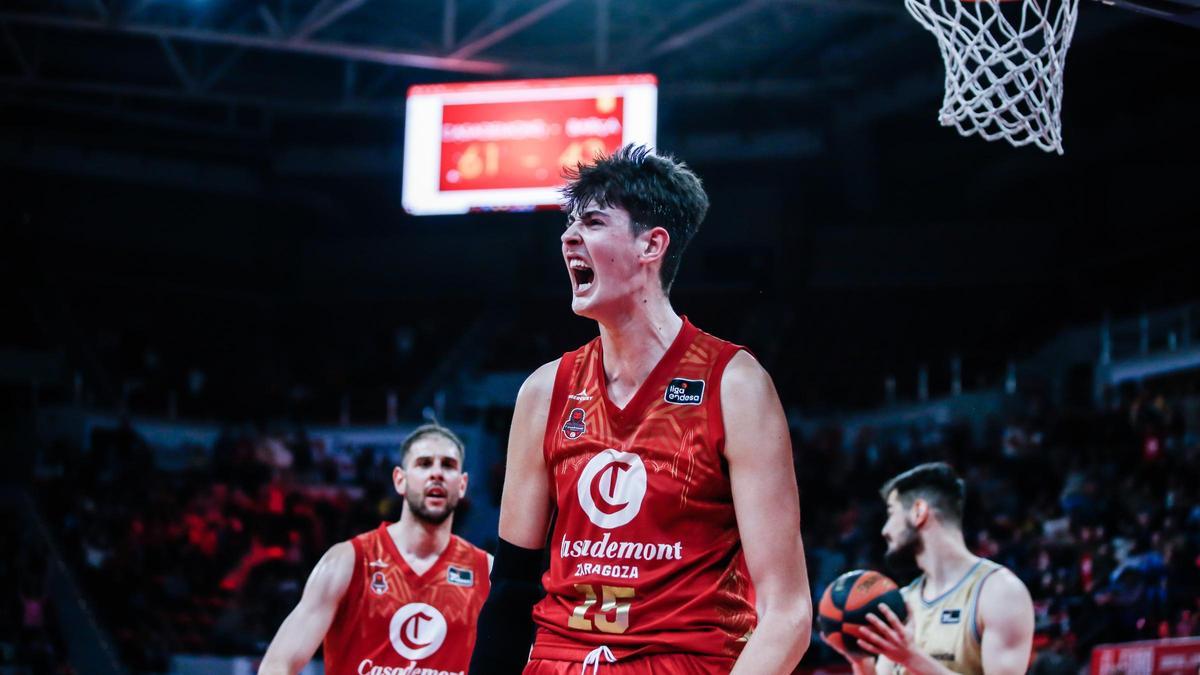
(392, 621)
(645, 556)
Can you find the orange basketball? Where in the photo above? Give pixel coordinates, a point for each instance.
(847, 602)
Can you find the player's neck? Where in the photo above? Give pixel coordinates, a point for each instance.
(635, 340)
(420, 543)
(944, 559)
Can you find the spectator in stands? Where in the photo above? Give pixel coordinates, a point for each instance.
(1107, 540)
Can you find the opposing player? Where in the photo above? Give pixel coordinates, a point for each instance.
(967, 614)
(665, 456)
(402, 598)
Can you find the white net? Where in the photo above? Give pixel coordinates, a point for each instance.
(1004, 65)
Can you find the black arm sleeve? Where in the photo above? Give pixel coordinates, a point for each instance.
(505, 629)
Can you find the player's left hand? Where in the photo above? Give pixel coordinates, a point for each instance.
(890, 639)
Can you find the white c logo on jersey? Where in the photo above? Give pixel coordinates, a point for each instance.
(417, 630)
(611, 488)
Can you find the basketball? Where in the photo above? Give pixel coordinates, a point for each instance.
(847, 602)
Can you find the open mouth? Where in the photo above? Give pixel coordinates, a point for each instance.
(581, 274)
(436, 492)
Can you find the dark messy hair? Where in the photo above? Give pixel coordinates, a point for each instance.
(656, 190)
(433, 429)
(937, 483)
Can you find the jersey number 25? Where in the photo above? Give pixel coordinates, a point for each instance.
(613, 614)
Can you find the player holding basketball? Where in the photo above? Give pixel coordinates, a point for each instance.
(402, 598)
(665, 456)
(966, 614)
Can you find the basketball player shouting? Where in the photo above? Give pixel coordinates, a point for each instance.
(664, 453)
(967, 614)
(404, 597)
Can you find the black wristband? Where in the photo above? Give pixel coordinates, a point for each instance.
(505, 628)
(517, 563)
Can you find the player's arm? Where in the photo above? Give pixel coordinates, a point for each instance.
(304, 629)
(767, 503)
(505, 623)
(525, 501)
(1004, 616)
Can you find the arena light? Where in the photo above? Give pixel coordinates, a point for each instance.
(501, 146)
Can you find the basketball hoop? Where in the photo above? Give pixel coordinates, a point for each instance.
(1004, 74)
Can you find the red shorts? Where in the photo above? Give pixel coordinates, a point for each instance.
(654, 664)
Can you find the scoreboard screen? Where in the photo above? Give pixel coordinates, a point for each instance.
(502, 146)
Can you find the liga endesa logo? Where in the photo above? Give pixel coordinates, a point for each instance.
(417, 630)
(611, 488)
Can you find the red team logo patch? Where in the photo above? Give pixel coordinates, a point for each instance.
(574, 426)
(379, 583)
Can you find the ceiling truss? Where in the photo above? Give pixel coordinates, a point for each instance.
(370, 45)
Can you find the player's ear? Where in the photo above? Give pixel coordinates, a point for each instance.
(462, 486)
(654, 243)
(399, 480)
(920, 511)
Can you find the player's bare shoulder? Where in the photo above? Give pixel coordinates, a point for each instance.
(533, 398)
(744, 370)
(1002, 595)
(539, 386)
(745, 385)
(331, 576)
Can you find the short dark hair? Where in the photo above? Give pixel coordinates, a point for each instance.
(657, 191)
(431, 429)
(935, 482)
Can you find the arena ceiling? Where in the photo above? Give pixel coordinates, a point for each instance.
(232, 67)
(158, 149)
(357, 56)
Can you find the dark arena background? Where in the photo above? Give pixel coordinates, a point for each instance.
(220, 320)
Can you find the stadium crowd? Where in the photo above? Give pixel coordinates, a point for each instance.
(1097, 512)
(208, 559)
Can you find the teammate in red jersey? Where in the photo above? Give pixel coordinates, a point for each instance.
(401, 599)
(665, 455)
